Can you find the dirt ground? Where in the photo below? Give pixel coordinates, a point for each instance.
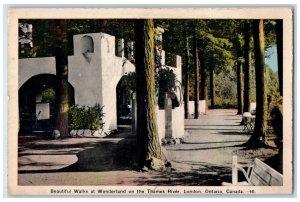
(203, 158)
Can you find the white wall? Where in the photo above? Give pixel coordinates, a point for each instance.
(29, 67)
(178, 112)
(95, 80)
(201, 107)
(85, 76)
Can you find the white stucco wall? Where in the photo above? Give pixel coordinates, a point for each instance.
(95, 76)
(29, 67)
(95, 80)
(177, 113)
(85, 76)
(201, 107)
(161, 128)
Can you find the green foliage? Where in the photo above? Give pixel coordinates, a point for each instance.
(128, 83)
(48, 95)
(225, 85)
(272, 82)
(44, 37)
(166, 75)
(86, 117)
(270, 35)
(224, 103)
(165, 79)
(225, 90)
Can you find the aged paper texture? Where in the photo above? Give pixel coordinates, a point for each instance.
(46, 166)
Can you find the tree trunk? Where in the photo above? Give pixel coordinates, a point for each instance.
(212, 85)
(147, 134)
(206, 96)
(186, 79)
(247, 67)
(279, 41)
(261, 101)
(61, 58)
(196, 66)
(203, 83)
(239, 87)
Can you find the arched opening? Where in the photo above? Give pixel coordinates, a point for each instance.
(87, 44)
(124, 91)
(38, 103)
(87, 47)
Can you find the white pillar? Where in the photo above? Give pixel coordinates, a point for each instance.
(163, 58)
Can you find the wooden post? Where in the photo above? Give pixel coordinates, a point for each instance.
(234, 170)
(168, 116)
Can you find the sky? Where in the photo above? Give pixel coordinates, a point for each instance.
(272, 60)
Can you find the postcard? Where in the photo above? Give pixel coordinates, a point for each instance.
(150, 101)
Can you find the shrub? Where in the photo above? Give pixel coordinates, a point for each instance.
(224, 103)
(86, 117)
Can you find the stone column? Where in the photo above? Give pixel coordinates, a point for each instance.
(120, 48)
(168, 116)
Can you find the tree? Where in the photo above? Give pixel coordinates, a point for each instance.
(215, 49)
(203, 83)
(261, 100)
(212, 83)
(147, 135)
(239, 87)
(186, 80)
(61, 57)
(247, 29)
(279, 41)
(238, 48)
(196, 70)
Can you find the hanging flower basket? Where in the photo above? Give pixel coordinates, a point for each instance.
(166, 79)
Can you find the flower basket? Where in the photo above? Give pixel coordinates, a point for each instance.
(166, 79)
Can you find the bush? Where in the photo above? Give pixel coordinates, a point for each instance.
(86, 117)
(224, 103)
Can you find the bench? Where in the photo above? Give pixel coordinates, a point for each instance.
(248, 120)
(256, 174)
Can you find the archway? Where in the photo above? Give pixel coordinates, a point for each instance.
(124, 92)
(38, 103)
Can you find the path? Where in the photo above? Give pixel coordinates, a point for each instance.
(210, 140)
(203, 159)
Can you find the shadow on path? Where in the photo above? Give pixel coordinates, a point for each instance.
(208, 175)
(108, 155)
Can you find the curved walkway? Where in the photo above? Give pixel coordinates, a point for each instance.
(203, 158)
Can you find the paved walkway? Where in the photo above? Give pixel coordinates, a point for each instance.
(203, 159)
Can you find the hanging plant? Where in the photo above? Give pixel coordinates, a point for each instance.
(48, 95)
(166, 79)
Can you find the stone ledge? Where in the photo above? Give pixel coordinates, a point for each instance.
(88, 133)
